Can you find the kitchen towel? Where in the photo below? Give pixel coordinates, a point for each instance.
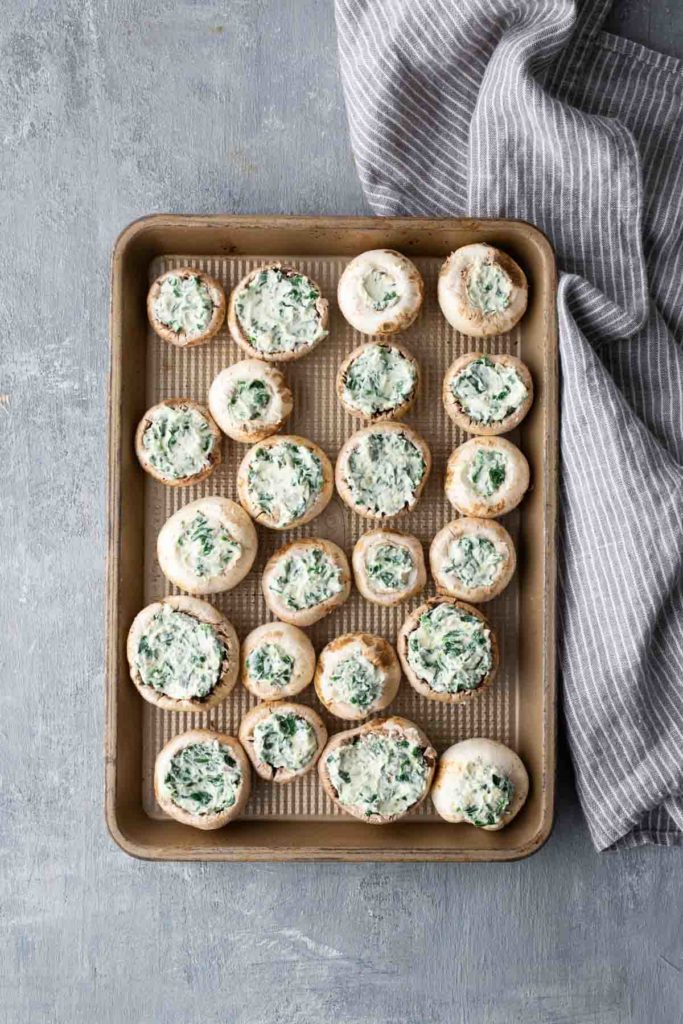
(525, 108)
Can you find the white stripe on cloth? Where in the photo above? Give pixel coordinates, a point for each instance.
(487, 108)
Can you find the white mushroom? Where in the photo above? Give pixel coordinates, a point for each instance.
(380, 292)
(285, 481)
(486, 477)
(482, 291)
(357, 674)
(278, 660)
(186, 306)
(487, 394)
(472, 559)
(250, 400)
(480, 782)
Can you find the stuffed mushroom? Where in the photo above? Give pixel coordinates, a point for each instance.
(380, 292)
(306, 580)
(202, 778)
(278, 660)
(250, 400)
(388, 566)
(207, 546)
(480, 782)
(282, 739)
(382, 470)
(487, 394)
(486, 477)
(482, 291)
(448, 650)
(472, 559)
(379, 771)
(285, 481)
(178, 443)
(183, 654)
(277, 313)
(357, 674)
(186, 306)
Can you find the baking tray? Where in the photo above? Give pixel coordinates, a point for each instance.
(297, 821)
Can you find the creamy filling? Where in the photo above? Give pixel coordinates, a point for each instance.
(450, 650)
(285, 740)
(270, 664)
(284, 480)
(178, 656)
(178, 442)
(307, 579)
(488, 392)
(384, 471)
(355, 681)
(488, 287)
(378, 773)
(278, 311)
(205, 547)
(203, 778)
(379, 290)
(390, 567)
(473, 560)
(481, 793)
(184, 305)
(379, 380)
(486, 472)
(248, 400)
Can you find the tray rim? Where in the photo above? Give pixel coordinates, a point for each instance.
(128, 237)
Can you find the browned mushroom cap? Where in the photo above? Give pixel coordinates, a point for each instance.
(276, 709)
(279, 519)
(202, 612)
(457, 410)
(213, 455)
(396, 728)
(379, 656)
(240, 335)
(509, 491)
(459, 289)
(454, 762)
(421, 685)
(384, 410)
(181, 338)
(163, 764)
(342, 471)
(307, 615)
(447, 576)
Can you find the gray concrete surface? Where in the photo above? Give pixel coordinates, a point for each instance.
(109, 110)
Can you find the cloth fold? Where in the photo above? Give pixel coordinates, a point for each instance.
(525, 108)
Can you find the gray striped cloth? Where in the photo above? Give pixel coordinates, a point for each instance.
(524, 108)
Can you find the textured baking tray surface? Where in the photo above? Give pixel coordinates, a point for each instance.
(173, 372)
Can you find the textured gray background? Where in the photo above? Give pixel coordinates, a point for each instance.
(109, 110)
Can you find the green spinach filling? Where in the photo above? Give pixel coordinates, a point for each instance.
(271, 664)
(307, 579)
(285, 740)
(389, 567)
(486, 472)
(384, 471)
(378, 773)
(379, 290)
(248, 400)
(488, 287)
(278, 311)
(284, 480)
(205, 547)
(178, 441)
(379, 380)
(488, 392)
(473, 560)
(483, 794)
(356, 681)
(178, 656)
(184, 304)
(203, 778)
(450, 650)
